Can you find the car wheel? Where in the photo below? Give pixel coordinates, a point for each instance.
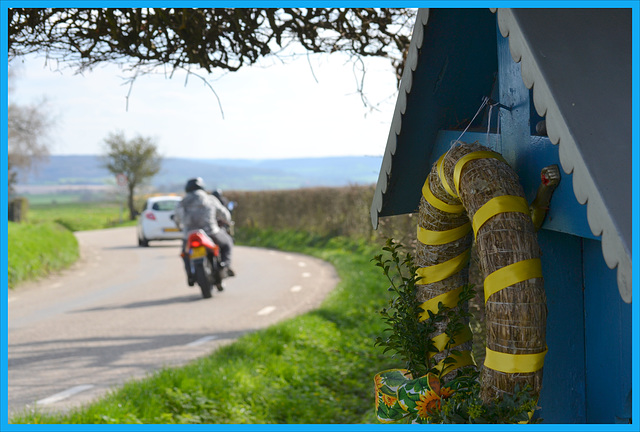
(143, 242)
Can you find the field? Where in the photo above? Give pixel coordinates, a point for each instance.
(80, 216)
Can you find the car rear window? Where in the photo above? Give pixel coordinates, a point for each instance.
(165, 205)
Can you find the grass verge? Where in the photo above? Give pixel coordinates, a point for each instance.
(37, 249)
(46, 242)
(315, 368)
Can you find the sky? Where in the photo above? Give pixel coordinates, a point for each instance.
(307, 107)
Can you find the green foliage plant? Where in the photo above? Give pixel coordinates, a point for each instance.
(409, 339)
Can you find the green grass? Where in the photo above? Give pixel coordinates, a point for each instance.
(315, 368)
(38, 249)
(45, 242)
(78, 216)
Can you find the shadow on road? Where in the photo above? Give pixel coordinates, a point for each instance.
(106, 351)
(196, 296)
(152, 246)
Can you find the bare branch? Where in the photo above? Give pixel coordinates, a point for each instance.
(208, 38)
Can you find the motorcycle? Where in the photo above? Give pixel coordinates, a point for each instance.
(202, 257)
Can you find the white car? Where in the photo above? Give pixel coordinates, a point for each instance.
(155, 223)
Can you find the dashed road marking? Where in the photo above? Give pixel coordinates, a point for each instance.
(202, 340)
(64, 394)
(267, 310)
(56, 285)
(302, 264)
(296, 288)
(306, 274)
(288, 257)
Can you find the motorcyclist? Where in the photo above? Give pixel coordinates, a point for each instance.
(218, 194)
(201, 210)
(229, 206)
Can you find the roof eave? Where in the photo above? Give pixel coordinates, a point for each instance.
(406, 82)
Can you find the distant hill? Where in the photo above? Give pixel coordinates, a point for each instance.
(227, 174)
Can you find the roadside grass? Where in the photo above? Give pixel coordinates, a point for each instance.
(80, 216)
(38, 249)
(317, 368)
(45, 242)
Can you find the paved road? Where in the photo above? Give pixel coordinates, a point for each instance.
(123, 311)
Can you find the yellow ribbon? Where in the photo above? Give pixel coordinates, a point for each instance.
(437, 203)
(442, 339)
(443, 179)
(510, 275)
(464, 359)
(449, 299)
(457, 170)
(438, 272)
(428, 237)
(514, 363)
(497, 205)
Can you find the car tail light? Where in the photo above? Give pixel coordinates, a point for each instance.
(150, 216)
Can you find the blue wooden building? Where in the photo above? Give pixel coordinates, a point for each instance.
(563, 79)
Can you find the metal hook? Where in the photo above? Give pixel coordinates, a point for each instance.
(498, 104)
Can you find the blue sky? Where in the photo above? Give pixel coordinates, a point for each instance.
(273, 110)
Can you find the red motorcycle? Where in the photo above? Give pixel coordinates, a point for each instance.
(203, 256)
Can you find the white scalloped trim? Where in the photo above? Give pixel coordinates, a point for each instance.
(411, 63)
(584, 188)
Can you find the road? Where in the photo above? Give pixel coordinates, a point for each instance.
(123, 311)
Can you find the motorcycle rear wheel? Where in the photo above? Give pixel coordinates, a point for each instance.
(204, 277)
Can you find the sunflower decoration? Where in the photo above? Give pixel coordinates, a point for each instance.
(399, 396)
(388, 408)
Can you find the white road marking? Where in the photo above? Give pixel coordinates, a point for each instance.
(306, 274)
(12, 299)
(80, 274)
(202, 340)
(64, 394)
(288, 257)
(302, 264)
(267, 310)
(296, 288)
(56, 285)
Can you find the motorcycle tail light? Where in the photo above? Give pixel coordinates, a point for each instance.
(150, 216)
(196, 243)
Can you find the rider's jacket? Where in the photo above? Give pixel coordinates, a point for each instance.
(200, 210)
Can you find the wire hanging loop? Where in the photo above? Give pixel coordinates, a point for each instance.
(485, 100)
(489, 122)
